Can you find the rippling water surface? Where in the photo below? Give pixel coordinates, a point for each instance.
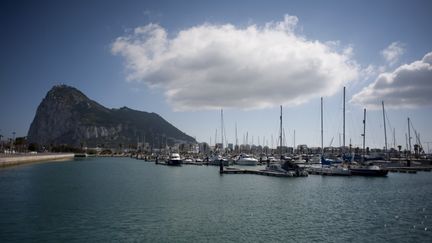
(120, 199)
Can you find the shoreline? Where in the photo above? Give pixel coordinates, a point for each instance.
(21, 159)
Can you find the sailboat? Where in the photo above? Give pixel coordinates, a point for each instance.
(327, 165)
(367, 169)
(218, 159)
(285, 166)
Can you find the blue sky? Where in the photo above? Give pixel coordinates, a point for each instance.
(246, 56)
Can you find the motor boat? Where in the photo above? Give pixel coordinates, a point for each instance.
(174, 160)
(245, 159)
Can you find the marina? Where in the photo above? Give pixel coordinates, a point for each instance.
(311, 169)
(216, 121)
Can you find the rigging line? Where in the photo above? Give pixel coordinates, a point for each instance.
(371, 134)
(388, 120)
(392, 129)
(416, 134)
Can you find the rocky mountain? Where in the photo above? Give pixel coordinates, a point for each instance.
(67, 116)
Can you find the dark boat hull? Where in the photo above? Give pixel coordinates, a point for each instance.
(217, 162)
(174, 162)
(368, 172)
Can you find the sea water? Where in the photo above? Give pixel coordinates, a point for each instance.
(123, 199)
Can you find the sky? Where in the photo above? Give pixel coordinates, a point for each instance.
(185, 60)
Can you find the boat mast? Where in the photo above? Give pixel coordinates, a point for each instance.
(322, 129)
(294, 142)
(385, 130)
(406, 141)
(216, 139)
(222, 131)
(343, 138)
(236, 134)
(409, 135)
(280, 135)
(364, 135)
(272, 141)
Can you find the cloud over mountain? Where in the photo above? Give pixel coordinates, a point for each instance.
(211, 66)
(408, 86)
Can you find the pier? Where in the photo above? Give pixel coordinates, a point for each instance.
(328, 172)
(261, 172)
(20, 159)
(411, 170)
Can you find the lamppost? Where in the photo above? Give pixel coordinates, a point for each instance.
(12, 143)
(1, 143)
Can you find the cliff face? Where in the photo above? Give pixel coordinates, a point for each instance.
(67, 116)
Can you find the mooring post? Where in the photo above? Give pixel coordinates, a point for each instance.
(220, 166)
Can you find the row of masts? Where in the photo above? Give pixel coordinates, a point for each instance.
(409, 147)
(281, 130)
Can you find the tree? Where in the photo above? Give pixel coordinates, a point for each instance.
(20, 143)
(33, 147)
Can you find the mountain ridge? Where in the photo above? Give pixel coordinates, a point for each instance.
(68, 116)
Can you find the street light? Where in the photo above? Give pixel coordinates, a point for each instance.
(1, 143)
(12, 143)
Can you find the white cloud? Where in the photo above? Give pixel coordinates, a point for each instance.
(392, 53)
(211, 66)
(408, 86)
(369, 71)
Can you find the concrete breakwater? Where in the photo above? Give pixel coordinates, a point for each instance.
(19, 159)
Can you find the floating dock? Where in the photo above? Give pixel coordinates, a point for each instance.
(411, 170)
(262, 172)
(327, 172)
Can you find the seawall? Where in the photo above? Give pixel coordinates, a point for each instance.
(12, 160)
